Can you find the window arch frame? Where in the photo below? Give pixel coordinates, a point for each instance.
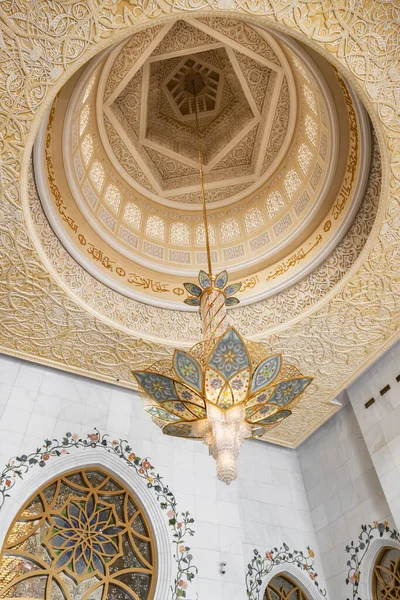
(91, 458)
(296, 575)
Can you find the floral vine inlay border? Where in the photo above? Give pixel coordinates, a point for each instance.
(179, 523)
(359, 550)
(260, 566)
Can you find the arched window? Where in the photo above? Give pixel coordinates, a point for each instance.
(230, 230)
(133, 215)
(155, 228)
(386, 576)
(82, 535)
(201, 235)
(97, 175)
(253, 220)
(292, 183)
(179, 234)
(87, 148)
(113, 197)
(281, 587)
(274, 204)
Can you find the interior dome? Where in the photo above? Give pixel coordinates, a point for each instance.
(286, 155)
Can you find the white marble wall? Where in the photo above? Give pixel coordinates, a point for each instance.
(343, 492)
(265, 507)
(380, 423)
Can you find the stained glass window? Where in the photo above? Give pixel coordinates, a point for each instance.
(133, 215)
(82, 535)
(281, 587)
(83, 119)
(386, 576)
(179, 234)
(292, 183)
(155, 228)
(311, 130)
(97, 175)
(113, 197)
(230, 230)
(274, 204)
(304, 157)
(253, 220)
(310, 98)
(201, 235)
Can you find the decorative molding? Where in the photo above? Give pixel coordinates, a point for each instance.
(359, 550)
(180, 523)
(340, 335)
(262, 565)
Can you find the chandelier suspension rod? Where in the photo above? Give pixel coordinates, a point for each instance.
(203, 196)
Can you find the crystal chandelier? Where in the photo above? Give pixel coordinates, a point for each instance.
(226, 388)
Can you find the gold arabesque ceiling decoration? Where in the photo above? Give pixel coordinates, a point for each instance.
(42, 319)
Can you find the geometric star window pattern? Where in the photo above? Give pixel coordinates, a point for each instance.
(282, 588)
(82, 536)
(386, 577)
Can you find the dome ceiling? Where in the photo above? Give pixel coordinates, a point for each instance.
(240, 113)
(284, 172)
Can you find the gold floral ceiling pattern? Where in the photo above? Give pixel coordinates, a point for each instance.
(337, 337)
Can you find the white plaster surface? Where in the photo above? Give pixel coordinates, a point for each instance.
(380, 423)
(317, 496)
(343, 492)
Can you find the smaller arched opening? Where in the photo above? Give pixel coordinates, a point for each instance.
(284, 587)
(386, 575)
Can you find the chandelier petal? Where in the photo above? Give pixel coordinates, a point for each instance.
(239, 384)
(232, 301)
(187, 395)
(275, 418)
(225, 399)
(180, 410)
(158, 387)
(229, 355)
(232, 289)
(204, 280)
(286, 391)
(213, 384)
(262, 413)
(221, 280)
(188, 370)
(185, 430)
(266, 372)
(161, 413)
(193, 289)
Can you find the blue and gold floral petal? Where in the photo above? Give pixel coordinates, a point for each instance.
(240, 385)
(257, 431)
(279, 416)
(180, 410)
(161, 413)
(229, 355)
(184, 430)
(188, 370)
(225, 399)
(232, 289)
(266, 372)
(187, 395)
(204, 280)
(198, 411)
(192, 288)
(287, 391)
(213, 384)
(192, 301)
(160, 388)
(221, 280)
(263, 412)
(232, 301)
(260, 398)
